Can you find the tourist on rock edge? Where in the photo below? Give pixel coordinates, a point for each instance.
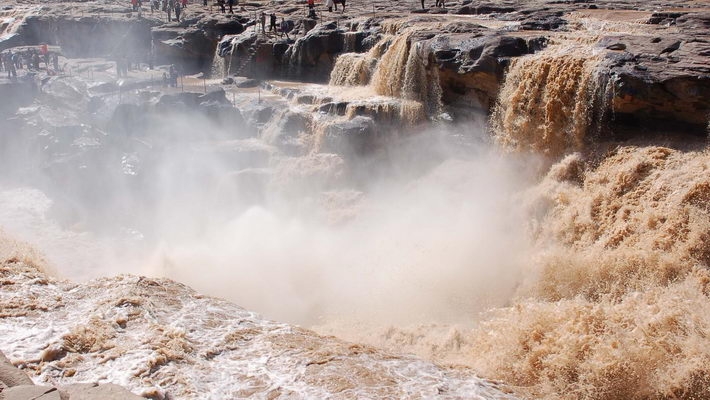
(329, 5)
(178, 9)
(285, 28)
(231, 6)
(10, 65)
(171, 5)
(262, 21)
(312, 9)
(173, 75)
(272, 22)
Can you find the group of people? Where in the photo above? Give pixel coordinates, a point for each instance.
(30, 59)
(221, 4)
(329, 4)
(170, 78)
(437, 3)
(171, 7)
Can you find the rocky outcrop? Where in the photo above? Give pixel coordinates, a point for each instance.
(192, 43)
(11, 376)
(16, 385)
(472, 64)
(90, 35)
(661, 82)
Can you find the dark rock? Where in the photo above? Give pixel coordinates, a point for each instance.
(664, 18)
(672, 47)
(471, 69)
(651, 86)
(248, 83)
(313, 56)
(355, 136)
(214, 96)
(338, 108)
(488, 8)
(616, 46)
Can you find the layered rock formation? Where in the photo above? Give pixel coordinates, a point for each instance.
(657, 60)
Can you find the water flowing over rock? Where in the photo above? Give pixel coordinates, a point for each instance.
(487, 200)
(547, 101)
(158, 336)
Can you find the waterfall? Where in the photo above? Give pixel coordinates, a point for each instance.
(354, 69)
(388, 78)
(546, 102)
(395, 67)
(218, 67)
(349, 42)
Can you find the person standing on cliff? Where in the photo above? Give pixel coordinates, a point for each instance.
(173, 75)
(171, 6)
(178, 8)
(262, 21)
(230, 3)
(272, 22)
(10, 66)
(44, 52)
(285, 28)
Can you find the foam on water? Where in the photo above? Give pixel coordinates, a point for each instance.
(158, 336)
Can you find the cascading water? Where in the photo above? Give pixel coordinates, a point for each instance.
(355, 69)
(218, 68)
(349, 42)
(545, 104)
(12, 18)
(395, 68)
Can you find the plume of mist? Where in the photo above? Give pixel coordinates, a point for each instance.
(423, 230)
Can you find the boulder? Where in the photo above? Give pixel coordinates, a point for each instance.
(107, 391)
(10, 375)
(355, 136)
(31, 392)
